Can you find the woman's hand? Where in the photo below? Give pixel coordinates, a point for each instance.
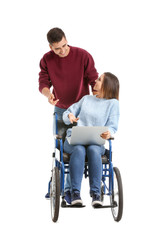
(72, 118)
(106, 135)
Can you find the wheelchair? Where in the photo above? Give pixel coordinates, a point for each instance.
(111, 183)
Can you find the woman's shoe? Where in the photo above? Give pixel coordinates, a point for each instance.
(68, 197)
(76, 199)
(96, 200)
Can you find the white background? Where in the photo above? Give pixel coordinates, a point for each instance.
(123, 38)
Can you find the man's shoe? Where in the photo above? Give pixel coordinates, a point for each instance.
(68, 197)
(96, 200)
(76, 199)
(47, 196)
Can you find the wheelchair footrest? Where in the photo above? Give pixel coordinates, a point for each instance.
(107, 206)
(75, 206)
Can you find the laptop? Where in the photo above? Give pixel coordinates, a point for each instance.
(87, 135)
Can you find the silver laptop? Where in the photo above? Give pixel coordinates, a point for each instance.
(87, 135)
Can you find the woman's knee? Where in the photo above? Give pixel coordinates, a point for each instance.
(94, 149)
(79, 150)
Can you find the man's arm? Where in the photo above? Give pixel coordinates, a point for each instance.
(45, 83)
(90, 73)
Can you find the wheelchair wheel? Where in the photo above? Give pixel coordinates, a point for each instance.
(102, 193)
(117, 196)
(55, 194)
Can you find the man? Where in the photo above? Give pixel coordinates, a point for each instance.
(69, 70)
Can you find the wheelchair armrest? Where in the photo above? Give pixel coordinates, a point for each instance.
(58, 136)
(111, 138)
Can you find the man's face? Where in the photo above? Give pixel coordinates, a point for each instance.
(60, 48)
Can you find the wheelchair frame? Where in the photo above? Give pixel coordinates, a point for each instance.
(60, 168)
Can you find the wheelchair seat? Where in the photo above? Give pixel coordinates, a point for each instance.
(105, 158)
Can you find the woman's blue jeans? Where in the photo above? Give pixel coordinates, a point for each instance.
(77, 163)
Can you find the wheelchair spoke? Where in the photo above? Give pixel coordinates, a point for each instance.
(116, 194)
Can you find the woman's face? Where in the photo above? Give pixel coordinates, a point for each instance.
(98, 85)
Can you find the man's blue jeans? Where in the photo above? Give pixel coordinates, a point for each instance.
(60, 111)
(77, 163)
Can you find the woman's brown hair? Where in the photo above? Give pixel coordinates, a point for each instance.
(110, 86)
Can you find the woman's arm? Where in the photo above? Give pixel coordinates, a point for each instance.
(112, 121)
(71, 114)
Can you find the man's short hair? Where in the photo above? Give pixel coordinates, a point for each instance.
(55, 35)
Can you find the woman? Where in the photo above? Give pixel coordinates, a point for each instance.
(101, 109)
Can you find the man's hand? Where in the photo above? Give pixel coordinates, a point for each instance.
(72, 118)
(46, 92)
(51, 99)
(106, 135)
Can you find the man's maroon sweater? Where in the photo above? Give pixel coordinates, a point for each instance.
(70, 76)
